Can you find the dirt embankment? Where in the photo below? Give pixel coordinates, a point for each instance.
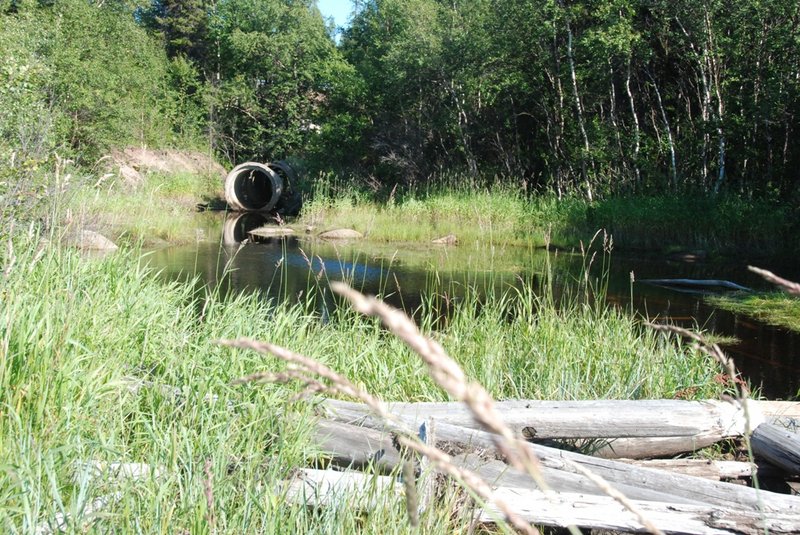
(132, 163)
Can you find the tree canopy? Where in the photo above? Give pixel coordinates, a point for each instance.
(594, 97)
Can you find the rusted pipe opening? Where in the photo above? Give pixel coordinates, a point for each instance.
(253, 187)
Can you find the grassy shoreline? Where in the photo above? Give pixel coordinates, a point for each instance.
(163, 210)
(774, 308)
(723, 225)
(102, 362)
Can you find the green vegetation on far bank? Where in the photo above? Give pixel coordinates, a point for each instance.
(724, 224)
(775, 308)
(101, 362)
(160, 210)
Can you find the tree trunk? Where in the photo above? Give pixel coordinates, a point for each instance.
(579, 111)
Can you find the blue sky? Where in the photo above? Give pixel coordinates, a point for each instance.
(338, 9)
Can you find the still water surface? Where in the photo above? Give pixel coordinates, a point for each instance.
(289, 268)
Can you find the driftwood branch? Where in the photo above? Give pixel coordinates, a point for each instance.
(788, 286)
(696, 283)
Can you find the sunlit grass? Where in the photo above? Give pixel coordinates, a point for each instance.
(99, 361)
(500, 213)
(776, 308)
(162, 209)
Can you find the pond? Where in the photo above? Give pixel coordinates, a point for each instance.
(292, 267)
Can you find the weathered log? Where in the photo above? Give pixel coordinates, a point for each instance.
(777, 445)
(349, 446)
(601, 512)
(710, 469)
(352, 447)
(631, 429)
(634, 481)
(316, 488)
(697, 283)
(320, 488)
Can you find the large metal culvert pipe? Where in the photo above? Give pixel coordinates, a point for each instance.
(253, 187)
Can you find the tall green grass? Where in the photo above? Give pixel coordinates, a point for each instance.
(161, 209)
(502, 213)
(99, 361)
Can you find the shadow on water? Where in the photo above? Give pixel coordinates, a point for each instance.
(296, 268)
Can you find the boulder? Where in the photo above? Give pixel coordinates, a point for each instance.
(130, 176)
(90, 240)
(450, 239)
(341, 234)
(269, 232)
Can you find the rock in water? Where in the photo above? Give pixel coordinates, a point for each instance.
(341, 234)
(268, 232)
(91, 240)
(450, 239)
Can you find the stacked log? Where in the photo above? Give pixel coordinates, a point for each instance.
(685, 496)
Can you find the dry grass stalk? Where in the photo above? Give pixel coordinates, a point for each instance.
(208, 488)
(412, 496)
(788, 286)
(342, 385)
(471, 480)
(715, 352)
(739, 385)
(449, 375)
(339, 383)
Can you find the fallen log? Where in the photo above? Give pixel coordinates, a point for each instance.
(354, 447)
(711, 469)
(601, 512)
(697, 283)
(636, 482)
(777, 445)
(321, 488)
(316, 488)
(631, 429)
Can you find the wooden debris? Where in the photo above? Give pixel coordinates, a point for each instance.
(697, 283)
(674, 495)
(631, 429)
(325, 488)
(710, 469)
(450, 239)
(88, 511)
(316, 488)
(636, 482)
(602, 512)
(777, 445)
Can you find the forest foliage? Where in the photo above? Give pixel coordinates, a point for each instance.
(595, 98)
